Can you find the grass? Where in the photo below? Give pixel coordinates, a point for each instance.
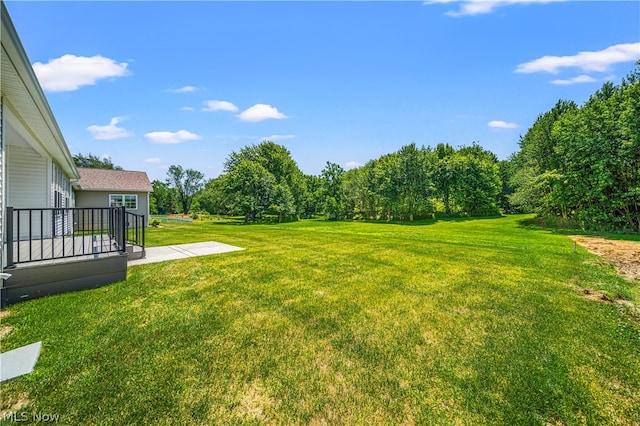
(440, 322)
(568, 227)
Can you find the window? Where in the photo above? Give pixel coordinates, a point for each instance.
(129, 201)
(61, 188)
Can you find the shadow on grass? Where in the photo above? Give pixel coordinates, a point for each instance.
(240, 221)
(425, 222)
(538, 223)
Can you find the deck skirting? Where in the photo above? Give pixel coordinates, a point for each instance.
(30, 281)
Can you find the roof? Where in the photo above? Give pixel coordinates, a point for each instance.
(113, 180)
(21, 89)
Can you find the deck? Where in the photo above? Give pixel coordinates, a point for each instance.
(55, 250)
(60, 249)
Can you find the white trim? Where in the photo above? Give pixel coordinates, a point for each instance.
(3, 182)
(21, 129)
(123, 200)
(27, 96)
(60, 184)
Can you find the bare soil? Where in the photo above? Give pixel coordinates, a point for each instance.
(4, 329)
(625, 255)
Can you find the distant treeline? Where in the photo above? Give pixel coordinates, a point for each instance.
(263, 180)
(580, 164)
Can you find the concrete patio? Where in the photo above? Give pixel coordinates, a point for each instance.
(182, 251)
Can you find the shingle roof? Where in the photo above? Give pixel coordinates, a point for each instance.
(110, 180)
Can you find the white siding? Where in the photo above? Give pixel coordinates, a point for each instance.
(61, 197)
(61, 191)
(27, 180)
(2, 157)
(1, 191)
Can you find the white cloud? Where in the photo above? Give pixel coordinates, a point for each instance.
(599, 61)
(219, 106)
(187, 109)
(575, 80)
(70, 72)
(499, 124)
(274, 138)
(260, 112)
(479, 7)
(154, 160)
(171, 137)
(110, 131)
(352, 165)
(185, 89)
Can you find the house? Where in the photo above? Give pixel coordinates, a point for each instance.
(113, 188)
(36, 166)
(47, 244)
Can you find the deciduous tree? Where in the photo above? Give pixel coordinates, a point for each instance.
(332, 175)
(162, 199)
(186, 184)
(94, 162)
(251, 187)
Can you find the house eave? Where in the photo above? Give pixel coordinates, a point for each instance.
(29, 99)
(114, 190)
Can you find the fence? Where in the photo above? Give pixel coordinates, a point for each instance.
(56, 233)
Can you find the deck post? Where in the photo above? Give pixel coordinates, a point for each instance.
(9, 229)
(144, 225)
(123, 215)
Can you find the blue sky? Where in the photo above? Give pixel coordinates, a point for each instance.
(151, 84)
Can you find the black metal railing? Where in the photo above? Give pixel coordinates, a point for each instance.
(55, 233)
(135, 230)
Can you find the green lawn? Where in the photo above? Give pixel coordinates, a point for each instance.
(448, 322)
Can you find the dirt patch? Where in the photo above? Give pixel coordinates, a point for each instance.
(594, 295)
(627, 307)
(625, 255)
(5, 330)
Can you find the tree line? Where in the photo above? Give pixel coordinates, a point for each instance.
(263, 180)
(577, 163)
(582, 163)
